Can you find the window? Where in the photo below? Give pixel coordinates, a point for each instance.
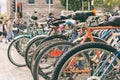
(31, 1)
(47, 1)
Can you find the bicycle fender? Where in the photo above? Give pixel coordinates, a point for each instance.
(20, 36)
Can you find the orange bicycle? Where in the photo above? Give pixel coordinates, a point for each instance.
(76, 64)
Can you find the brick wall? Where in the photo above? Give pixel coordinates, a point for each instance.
(42, 7)
(10, 12)
(39, 6)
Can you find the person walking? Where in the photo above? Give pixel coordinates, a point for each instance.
(1, 31)
(9, 29)
(4, 28)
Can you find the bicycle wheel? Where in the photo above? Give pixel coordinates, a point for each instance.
(31, 47)
(39, 49)
(47, 58)
(44, 43)
(63, 70)
(16, 51)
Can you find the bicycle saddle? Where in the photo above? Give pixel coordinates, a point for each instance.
(82, 16)
(66, 16)
(113, 21)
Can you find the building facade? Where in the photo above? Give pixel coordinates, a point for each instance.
(10, 13)
(41, 6)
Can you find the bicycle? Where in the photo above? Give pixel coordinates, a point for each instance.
(36, 40)
(54, 23)
(19, 44)
(110, 55)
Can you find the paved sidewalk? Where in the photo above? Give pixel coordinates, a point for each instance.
(10, 72)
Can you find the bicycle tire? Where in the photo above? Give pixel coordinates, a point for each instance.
(36, 39)
(82, 47)
(41, 47)
(9, 54)
(36, 64)
(44, 42)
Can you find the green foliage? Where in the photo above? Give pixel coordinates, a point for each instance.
(107, 5)
(63, 2)
(72, 4)
(85, 5)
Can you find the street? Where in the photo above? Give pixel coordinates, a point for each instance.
(8, 70)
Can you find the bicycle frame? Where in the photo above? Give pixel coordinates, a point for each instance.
(90, 29)
(89, 34)
(108, 67)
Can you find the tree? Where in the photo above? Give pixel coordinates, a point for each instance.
(75, 4)
(107, 5)
(72, 4)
